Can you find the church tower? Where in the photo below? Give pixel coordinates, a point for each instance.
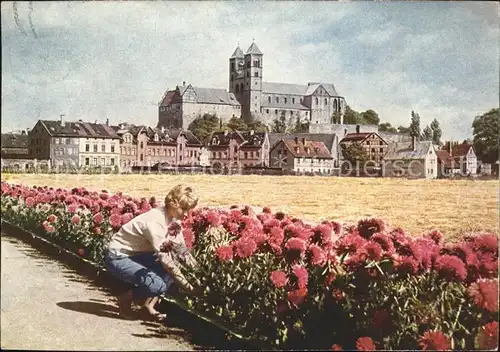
(236, 74)
(252, 82)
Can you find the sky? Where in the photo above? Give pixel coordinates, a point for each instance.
(115, 60)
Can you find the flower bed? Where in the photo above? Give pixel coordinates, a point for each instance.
(288, 283)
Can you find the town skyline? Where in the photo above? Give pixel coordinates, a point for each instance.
(95, 61)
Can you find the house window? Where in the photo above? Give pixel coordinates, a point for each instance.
(95, 148)
(68, 141)
(286, 100)
(103, 161)
(317, 101)
(381, 143)
(248, 64)
(213, 155)
(373, 150)
(157, 151)
(291, 113)
(112, 161)
(245, 155)
(269, 99)
(103, 148)
(326, 101)
(142, 157)
(256, 63)
(277, 100)
(56, 140)
(149, 151)
(235, 149)
(276, 112)
(87, 161)
(256, 74)
(87, 147)
(95, 161)
(381, 150)
(218, 155)
(248, 75)
(267, 111)
(112, 149)
(293, 100)
(257, 154)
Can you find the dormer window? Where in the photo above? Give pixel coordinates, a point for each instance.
(156, 137)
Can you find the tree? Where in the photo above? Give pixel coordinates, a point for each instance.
(279, 125)
(237, 124)
(436, 132)
(386, 127)
(370, 117)
(257, 126)
(204, 125)
(355, 152)
(415, 125)
(486, 130)
(427, 134)
(300, 127)
(402, 129)
(351, 117)
(335, 117)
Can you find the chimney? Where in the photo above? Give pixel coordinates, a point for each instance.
(61, 119)
(107, 122)
(450, 147)
(413, 143)
(357, 129)
(162, 129)
(296, 139)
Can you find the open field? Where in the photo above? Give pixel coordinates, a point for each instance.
(454, 207)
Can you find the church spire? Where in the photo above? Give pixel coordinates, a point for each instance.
(238, 53)
(254, 49)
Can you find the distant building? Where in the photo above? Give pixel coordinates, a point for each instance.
(302, 155)
(374, 146)
(145, 146)
(251, 97)
(75, 144)
(411, 160)
(446, 164)
(464, 155)
(15, 151)
(238, 149)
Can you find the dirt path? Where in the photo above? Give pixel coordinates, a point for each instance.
(47, 306)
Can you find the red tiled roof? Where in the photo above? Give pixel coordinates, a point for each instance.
(354, 137)
(314, 149)
(445, 159)
(167, 99)
(460, 150)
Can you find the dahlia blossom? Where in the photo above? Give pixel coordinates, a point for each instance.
(278, 278)
(487, 337)
(224, 253)
(365, 344)
(301, 274)
(435, 341)
(30, 202)
(318, 255)
(373, 251)
(75, 219)
(297, 297)
(98, 218)
(484, 293)
(368, 227)
(450, 268)
(52, 218)
(115, 220)
(336, 347)
(245, 247)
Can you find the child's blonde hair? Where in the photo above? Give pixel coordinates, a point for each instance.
(182, 196)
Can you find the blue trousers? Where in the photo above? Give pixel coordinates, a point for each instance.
(143, 271)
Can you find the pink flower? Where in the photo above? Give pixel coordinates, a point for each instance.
(75, 219)
(484, 293)
(435, 340)
(245, 247)
(407, 266)
(279, 278)
(125, 218)
(81, 252)
(318, 255)
(213, 218)
(47, 227)
(30, 202)
(98, 218)
(224, 253)
(301, 274)
(368, 227)
(52, 218)
(296, 244)
(450, 268)
(188, 237)
(373, 251)
(435, 235)
(487, 337)
(116, 221)
(97, 230)
(72, 208)
(365, 344)
(336, 347)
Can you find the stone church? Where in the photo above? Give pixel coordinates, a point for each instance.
(251, 97)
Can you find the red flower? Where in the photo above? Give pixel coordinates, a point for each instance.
(278, 278)
(72, 208)
(280, 215)
(81, 252)
(245, 247)
(297, 297)
(188, 237)
(301, 274)
(75, 219)
(97, 230)
(126, 218)
(318, 255)
(484, 293)
(30, 202)
(98, 218)
(266, 210)
(337, 348)
(365, 344)
(373, 251)
(450, 268)
(213, 218)
(349, 243)
(407, 266)
(48, 228)
(116, 221)
(322, 234)
(329, 279)
(52, 218)
(368, 227)
(435, 340)
(486, 243)
(224, 253)
(296, 244)
(434, 235)
(487, 337)
(337, 294)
